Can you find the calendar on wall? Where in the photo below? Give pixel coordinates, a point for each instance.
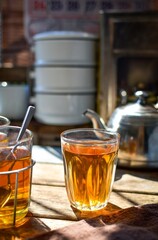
(76, 15)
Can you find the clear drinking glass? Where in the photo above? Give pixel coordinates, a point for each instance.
(15, 176)
(90, 159)
(4, 121)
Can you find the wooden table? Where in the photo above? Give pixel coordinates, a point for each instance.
(50, 209)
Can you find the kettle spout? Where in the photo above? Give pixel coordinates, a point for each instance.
(97, 121)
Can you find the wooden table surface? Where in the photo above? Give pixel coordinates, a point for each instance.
(50, 209)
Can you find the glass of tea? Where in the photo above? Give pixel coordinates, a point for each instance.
(15, 176)
(90, 159)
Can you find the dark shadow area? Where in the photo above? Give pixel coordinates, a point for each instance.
(31, 227)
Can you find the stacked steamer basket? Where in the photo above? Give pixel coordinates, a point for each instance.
(65, 76)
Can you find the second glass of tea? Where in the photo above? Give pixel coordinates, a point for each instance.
(15, 176)
(90, 159)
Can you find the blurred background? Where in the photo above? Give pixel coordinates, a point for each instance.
(124, 35)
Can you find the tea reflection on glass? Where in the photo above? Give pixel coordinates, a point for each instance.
(90, 159)
(15, 176)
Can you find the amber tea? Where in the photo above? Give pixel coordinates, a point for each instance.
(90, 164)
(15, 182)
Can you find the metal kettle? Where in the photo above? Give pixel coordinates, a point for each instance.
(137, 124)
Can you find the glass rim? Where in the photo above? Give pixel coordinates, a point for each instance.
(80, 141)
(25, 139)
(5, 120)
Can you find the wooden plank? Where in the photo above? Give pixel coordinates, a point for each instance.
(56, 223)
(49, 174)
(146, 183)
(52, 202)
(129, 180)
(50, 208)
(36, 226)
(124, 200)
(150, 174)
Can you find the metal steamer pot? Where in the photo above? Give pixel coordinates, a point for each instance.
(137, 124)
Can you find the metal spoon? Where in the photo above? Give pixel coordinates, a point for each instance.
(5, 192)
